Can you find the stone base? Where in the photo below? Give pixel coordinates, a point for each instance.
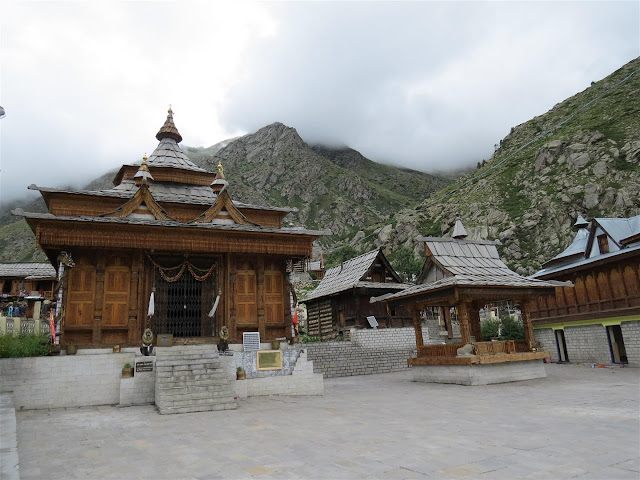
(483, 374)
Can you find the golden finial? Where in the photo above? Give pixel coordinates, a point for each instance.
(144, 159)
(170, 112)
(220, 169)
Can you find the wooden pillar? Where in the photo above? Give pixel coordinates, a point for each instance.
(463, 317)
(262, 328)
(526, 323)
(446, 311)
(99, 299)
(417, 325)
(474, 319)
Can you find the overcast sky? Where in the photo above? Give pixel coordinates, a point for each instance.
(427, 85)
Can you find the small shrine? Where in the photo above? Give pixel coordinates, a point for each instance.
(168, 249)
(463, 276)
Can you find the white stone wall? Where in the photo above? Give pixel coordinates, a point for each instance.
(306, 384)
(547, 339)
(631, 337)
(587, 344)
(479, 374)
(64, 381)
(141, 388)
(387, 338)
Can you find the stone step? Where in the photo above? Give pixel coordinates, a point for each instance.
(188, 361)
(181, 397)
(191, 349)
(195, 401)
(191, 388)
(188, 366)
(197, 408)
(216, 372)
(203, 382)
(187, 356)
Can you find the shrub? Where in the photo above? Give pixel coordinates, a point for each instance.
(308, 339)
(489, 329)
(27, 345)
(511, 329)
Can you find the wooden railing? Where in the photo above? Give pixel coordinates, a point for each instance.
(479, 348)
(447, 350)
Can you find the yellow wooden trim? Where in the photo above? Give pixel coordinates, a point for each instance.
(605, 322)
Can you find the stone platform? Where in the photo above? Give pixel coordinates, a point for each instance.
(479, 374)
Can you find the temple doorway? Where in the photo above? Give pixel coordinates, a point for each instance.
(183, 303)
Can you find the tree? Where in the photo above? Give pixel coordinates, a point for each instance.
(406, 263)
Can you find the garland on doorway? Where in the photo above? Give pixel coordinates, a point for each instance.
(200, 274)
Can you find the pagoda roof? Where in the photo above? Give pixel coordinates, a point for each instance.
(163, 192)
(167, 223)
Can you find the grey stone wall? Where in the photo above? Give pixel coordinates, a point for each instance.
(387, 338)
(64, 381)
(587, 344)
(343, 359)
(631, 337)
(248, 361)
(547, 339)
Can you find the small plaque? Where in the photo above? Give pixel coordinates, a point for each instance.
(146, 366)
(251, 341)
(165, 340)
(269, 359)
(372, 321)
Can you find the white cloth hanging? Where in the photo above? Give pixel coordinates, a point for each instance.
(152, 305)
(215, 306)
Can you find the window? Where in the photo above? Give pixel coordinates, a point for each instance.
(603, 243)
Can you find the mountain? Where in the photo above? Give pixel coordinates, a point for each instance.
(582, 156)
(338, 189)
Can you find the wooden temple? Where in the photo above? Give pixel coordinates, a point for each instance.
(463, 276)
(341, 300)
(168, 249)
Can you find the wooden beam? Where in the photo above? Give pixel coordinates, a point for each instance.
(417, 325)
(527, 324)
(463, 317)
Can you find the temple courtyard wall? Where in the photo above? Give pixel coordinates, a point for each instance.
(590, 343)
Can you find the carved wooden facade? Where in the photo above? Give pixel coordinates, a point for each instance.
(137, 238)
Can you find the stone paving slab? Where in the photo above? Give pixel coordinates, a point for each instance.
(577, 423)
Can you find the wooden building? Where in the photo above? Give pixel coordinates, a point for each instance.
(170, 228)
(598, 321)
(466, 275)
(341, 300)
(22, 279)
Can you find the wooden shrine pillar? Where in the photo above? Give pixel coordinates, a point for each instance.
(474, 320)
(417, 325)
(262, 328)
(463, 317)
(526, 323)
(446, 311)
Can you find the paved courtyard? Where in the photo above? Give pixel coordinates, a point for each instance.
(577, 423)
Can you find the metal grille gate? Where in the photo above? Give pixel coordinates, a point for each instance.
(182, 306)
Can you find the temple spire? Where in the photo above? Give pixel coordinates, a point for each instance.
(580, 222)
(458, 230)
(169, 130)
(143, 175)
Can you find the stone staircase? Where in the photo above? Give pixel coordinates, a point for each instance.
(190, 378)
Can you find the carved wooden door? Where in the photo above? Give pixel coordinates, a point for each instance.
(81, 296)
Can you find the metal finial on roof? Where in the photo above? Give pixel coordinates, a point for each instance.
(581, 222)
(168, 129)
(143, 175)
(458, 230)
(220, 169)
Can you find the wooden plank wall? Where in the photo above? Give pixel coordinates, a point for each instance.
(611, 289)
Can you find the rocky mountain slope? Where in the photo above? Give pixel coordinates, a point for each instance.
(338, 189)
(529, 197)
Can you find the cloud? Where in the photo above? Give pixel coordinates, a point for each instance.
(427, 85)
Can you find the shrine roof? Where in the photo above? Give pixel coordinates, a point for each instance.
(163, 192)
(28, 271)
(350, 274)
(168, 223)
(499, 281)
(169, 154)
